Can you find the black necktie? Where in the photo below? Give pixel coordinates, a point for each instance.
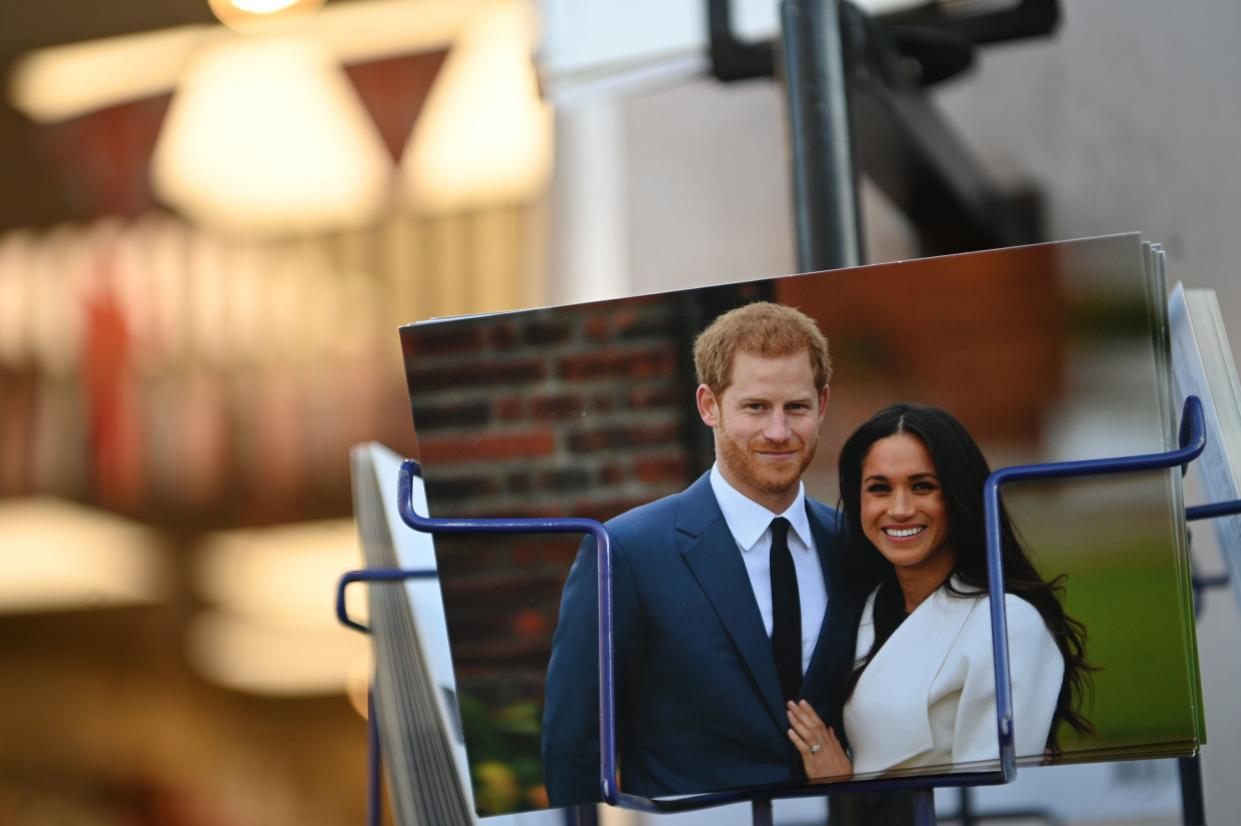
(785, 611)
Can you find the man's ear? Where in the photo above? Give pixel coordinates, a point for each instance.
(708, 406)
(824, 395)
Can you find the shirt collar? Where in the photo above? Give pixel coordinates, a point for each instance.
(747, 520)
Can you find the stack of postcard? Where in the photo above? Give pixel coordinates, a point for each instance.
(414, 691)
(791, 473)
(1203, 366)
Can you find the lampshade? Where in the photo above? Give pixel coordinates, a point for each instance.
(484, 136)
(265, 134)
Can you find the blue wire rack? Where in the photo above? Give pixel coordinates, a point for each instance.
(1192, 441)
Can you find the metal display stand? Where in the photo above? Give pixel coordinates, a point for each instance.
(852, 104)
(1192, 441)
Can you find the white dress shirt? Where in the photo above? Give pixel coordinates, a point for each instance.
(750, 525)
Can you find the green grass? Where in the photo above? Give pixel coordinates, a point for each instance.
(1135, 637)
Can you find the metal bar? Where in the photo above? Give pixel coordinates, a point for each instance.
(607, 716)
(373, 758)
(813, 61)
(372, 575)
(609, 781)
(585, 815)
(1213, 510)
(1193, 807)
(1192, 441)
(1201, 583)
(1030, 18)
(782, 792)
(912, 153)
(924, 807)
(965, 799)
(731, 58)
(761, 812)
(853, 105)
(373, 754)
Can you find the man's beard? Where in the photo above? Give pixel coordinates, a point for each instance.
(741, 460)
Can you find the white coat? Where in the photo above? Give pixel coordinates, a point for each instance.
(928, 696)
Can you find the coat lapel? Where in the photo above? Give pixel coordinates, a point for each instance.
(710, 551)
(889, 712)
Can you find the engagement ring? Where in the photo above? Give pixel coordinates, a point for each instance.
(816, 748)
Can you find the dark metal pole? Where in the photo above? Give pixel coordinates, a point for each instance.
(374, 783)
(813, 65)
(966, 798)
(924, 807)
(1193, 807)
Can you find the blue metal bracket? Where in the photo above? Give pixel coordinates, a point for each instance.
(1192, 440)
(373, 750)
(1213, 510)
(609, 780)
(372, 575)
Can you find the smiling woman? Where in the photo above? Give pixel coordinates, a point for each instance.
(904, 516)
(922, 692)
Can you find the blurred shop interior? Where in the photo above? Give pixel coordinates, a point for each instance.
(216, 213)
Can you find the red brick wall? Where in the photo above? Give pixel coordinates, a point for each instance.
(572, 412)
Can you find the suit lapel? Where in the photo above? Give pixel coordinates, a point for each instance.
(710, 551)
(833, 651)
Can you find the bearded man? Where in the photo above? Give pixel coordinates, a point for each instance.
(728, 598)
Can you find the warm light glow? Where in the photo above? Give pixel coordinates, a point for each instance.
(246, 655)
(272, 626)
(263, 15)
(364, 30)
(66, 81)
(266, 134)
(284, 576)
(484, 136)
(55, 555)
(263, 6)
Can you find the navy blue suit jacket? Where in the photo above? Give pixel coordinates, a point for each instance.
(698, 700)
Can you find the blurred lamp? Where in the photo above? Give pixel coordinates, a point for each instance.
(265, 134)
(284, 575)
(484, 136)
(253, 15)
(55, 555)
(270, 628)
(63, 82)
(67, 81)
(245, 655)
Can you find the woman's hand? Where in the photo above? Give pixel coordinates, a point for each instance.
(821, 752)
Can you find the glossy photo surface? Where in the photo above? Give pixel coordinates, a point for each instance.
(1043, 353)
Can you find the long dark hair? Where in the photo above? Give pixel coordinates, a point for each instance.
(962, 471)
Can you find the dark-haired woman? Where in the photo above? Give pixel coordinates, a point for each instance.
(923, 689)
